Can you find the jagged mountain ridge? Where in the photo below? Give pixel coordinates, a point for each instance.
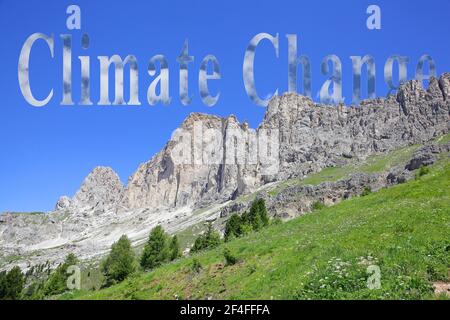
(311, 137)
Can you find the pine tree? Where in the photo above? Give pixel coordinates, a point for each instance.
(156, 250)
(253, 220)
(233, 227)
(254, 216)
(14, 284)
(212, 237)
(120, 263)
(174, 248)
(57, 282)
(2, 284)
(199, 244)
(263, 212)
(209, 240)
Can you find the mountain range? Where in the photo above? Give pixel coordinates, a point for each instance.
(310, 139)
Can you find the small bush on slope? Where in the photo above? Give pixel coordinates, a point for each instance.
(233, 227)
(230, 258)
(422, 171)
(317, 206)
(209, 240)
(196, 265)
(366, 192)
(254, 220)
(174, 248)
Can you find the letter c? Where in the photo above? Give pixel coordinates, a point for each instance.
(248, 73)
(23, 69)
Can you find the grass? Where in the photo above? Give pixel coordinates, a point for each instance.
(91, 277)
(378, 163)
(187, 236)
(444, 139)
(34, 213)
(403, 230)
(372, 164)
(11, 258)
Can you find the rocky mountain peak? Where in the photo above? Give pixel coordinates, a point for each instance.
(311, 136)
(100, 190)
(444, 85)
(197, 117)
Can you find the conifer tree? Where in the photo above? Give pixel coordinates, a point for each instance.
(120, 263)
(263, 212)
(209, 240)
(254, 216)
(174, 248)
(14, 282)
(233, 227)
(156, 250)
(57, 281)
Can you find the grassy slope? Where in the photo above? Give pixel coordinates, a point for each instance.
(404, 230)
(373, 164)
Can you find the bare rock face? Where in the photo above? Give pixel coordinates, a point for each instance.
(434, 91)
(64, 203)
(191, 173)
(426, 156)
(314, 136)
(444, 84)
(165, 181)
(311, 137)
(298, 199)
(101, 190)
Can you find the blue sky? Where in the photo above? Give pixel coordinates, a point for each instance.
(46, 152)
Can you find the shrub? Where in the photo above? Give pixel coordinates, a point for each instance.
(253, 220)
(2, 284)
(196, 265)
(257, 216)
(245, 229)
(209, 240)
(174, 248)
(199, 244)
(156, 250)
(366, 191)
(262, 210)
(422, 171)
(317, 205)
(230, 259)
(120, 263)
(35, 291)
(276, 221)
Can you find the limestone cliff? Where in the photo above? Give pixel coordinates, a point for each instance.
(311, 137)
(228, 162)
